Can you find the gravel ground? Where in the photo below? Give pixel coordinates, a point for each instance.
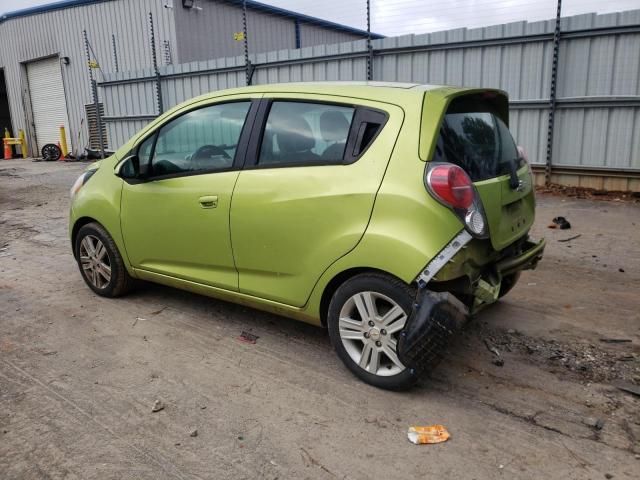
(79, 374)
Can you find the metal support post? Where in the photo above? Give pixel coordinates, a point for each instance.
(154, 58)
(552, 96)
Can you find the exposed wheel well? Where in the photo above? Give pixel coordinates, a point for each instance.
(81, 222)
(335, 283)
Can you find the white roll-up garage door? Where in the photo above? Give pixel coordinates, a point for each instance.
(48, 102)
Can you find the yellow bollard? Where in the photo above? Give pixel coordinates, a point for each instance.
(63, 142)
(7, 133)
(23, 143)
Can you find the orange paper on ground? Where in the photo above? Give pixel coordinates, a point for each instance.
(428, 434)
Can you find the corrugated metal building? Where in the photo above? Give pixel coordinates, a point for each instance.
(596, 139)
(43, 62)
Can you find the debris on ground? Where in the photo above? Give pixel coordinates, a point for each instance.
(570, 238)
(627, 357)
(429, 434)
(615, 340)
(621, 270)
(135, 322)
(157, 312)
(592, 422)
(246, 337)
(498, 360)
(589, 193)
(193, 432)
(588, 361)
(561, 223)
(628, 387)
(157, 406)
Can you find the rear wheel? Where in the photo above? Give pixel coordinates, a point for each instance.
(366, 315)
(100, 262)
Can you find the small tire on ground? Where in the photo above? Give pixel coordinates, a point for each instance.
(51, 152)
(395, 289)
(120, 282)
(508, 282)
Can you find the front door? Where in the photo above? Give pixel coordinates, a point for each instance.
(176, 220)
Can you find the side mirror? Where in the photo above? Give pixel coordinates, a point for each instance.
(129, 168)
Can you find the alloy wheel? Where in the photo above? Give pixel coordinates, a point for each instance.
(95, 261)
(369, 326)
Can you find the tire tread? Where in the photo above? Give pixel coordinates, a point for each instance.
(123, 283)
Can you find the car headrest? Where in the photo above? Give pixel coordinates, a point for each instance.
(334, 126)
(294, 134)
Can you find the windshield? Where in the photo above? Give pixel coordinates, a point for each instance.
(479, 142)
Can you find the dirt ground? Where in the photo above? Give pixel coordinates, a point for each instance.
(79, 374)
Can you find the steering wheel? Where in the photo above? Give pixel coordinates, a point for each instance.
(205, 157)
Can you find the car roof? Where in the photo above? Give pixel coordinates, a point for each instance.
(390, 92)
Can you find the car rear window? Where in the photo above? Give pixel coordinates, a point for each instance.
(478, 141)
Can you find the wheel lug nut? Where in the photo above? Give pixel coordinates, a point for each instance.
(383, 331)
(371, 324)
(378, 343)
(366, 334)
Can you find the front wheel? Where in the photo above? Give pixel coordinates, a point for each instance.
(365, 317)
(100, 262)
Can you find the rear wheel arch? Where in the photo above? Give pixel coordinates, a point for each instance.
(339, 279)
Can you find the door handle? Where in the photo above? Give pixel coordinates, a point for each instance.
(208, 201)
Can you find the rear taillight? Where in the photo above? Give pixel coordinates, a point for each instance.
(523, 155)
(451, 186)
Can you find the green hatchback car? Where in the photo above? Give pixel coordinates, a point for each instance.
(387, 213)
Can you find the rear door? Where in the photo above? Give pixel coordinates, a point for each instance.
(474, 135)
(306, 193)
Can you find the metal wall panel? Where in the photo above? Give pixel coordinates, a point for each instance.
(60, 33)
(120, 132)
(316, 35)
(598, 109)
(209, 33)
(218, 22)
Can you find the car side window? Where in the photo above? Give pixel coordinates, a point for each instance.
(298, 133)
(202, 140)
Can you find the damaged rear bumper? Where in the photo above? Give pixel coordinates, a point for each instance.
(527, 260)
(437, 316)
(487, 286)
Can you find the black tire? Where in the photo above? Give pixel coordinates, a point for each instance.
(402, 294)
(508, 282)
(51, 152)
(120, 281)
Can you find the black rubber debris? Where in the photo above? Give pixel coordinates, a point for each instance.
(562, 223)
